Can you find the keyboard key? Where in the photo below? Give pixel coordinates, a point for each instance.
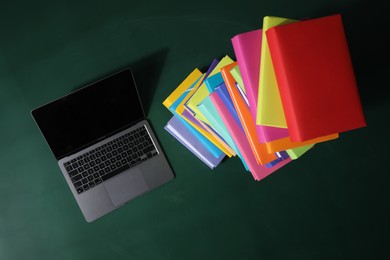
(133, 163)
(115, 172)
(77, 178)
(79, 190)
(149, 149)
(73, 173)
(143, 132)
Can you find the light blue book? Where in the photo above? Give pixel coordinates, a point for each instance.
(210, 112)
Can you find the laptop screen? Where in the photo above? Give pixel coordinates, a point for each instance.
(89, 114)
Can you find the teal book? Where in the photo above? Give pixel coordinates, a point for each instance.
(213, 81)
(210, 112)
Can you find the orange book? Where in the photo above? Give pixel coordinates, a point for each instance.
(259, 150)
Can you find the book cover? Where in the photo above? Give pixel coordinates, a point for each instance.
(213, 81)
(269, 106)
(180, 130)
(315, 77)
(247, 47)
(236, 73)
(258, 171)
(259, 150)
(299, 151)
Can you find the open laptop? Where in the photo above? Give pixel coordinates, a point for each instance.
(103, 143)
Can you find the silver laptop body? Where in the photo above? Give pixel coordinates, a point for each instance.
(105, 147)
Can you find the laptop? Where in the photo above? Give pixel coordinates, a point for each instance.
(104, 144)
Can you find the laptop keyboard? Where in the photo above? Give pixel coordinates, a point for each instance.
(102, 163)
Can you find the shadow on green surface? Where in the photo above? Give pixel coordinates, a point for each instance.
(147, 72)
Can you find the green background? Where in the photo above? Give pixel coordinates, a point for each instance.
(333, 203)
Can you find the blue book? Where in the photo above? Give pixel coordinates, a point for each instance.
(225, 96)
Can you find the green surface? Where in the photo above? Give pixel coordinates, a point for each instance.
(333, 203)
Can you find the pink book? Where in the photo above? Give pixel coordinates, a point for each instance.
(247, 47)
(258, 171)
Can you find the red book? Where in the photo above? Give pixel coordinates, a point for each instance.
(315, 77)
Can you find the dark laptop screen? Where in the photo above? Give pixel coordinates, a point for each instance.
(91, 113)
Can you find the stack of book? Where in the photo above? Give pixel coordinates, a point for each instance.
(291, 87)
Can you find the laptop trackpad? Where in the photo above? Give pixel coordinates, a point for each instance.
(126, 186)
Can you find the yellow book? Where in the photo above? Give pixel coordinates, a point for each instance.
(194, 76)
(299, 151)
(238, 78)
(202, 92)
(269, 106)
